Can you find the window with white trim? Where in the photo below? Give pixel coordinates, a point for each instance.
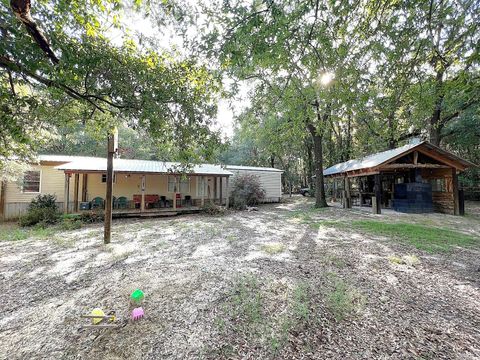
(172, 184)
(31, 182)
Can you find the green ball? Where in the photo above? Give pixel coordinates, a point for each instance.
(137, 296)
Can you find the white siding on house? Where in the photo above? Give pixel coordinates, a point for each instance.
(270, 180)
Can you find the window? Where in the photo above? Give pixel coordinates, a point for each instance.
(172, 184)
(438, 185)
(104, 178)
(200, 186)
(185, 185)
(31, 182)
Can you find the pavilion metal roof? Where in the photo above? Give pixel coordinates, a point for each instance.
(140, 166)
(375, 160)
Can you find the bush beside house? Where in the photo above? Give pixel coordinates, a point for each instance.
(246, 191)
(42, 210)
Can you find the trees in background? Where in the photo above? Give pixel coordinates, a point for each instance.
(397, 70)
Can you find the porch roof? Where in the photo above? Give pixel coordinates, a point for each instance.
(141, 166)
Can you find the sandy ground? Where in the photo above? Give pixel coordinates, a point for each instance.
(189, 267)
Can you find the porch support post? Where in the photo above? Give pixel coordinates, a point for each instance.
(226, 195)
(456, 202)
(215, 180)
(142, 203)
(75, 192)
(66, 193)
(202, 184)
(107, 231)
(221, 190)
(377, 204)
(3, 185)
(84, 187)
(175, 194)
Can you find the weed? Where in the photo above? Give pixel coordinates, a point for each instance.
(273, 249)
(410, 260)
(344, 301)
(395, 260)
(429, 239)
(231, 238)
(334, 260)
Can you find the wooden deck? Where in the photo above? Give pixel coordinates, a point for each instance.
(125, 213)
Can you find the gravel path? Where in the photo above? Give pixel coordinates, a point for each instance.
(191, 267)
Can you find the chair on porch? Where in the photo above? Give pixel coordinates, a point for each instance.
(122, 202)
(162, 202)
(97, 203)
(188, 200)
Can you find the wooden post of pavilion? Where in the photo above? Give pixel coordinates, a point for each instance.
(112, 145)
(377, 200)
(66, 194)
(456, 202)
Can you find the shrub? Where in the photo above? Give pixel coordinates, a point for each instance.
(93, 216)
(71, 223)
(246, 191)
(46, 201)
(42, 210)
(211, 209)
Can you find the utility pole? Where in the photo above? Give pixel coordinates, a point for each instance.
(111, 149)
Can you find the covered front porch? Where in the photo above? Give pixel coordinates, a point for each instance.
(144, 193)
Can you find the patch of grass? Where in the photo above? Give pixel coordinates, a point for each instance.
(344, 301)
(429, 239)
(334, 260)
(328, 224)
(262, 315)
(14, 235)
(273, 249)
(247, 301)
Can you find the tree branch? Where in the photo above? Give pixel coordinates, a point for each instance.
(21, 9)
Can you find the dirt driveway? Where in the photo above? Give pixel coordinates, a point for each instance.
(284, 282)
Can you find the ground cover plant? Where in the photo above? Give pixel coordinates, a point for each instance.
(428, 238)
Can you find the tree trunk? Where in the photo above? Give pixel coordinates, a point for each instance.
(392, 142)
(435, 121)
(348, 145)
(309, 164)
(320, 200)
